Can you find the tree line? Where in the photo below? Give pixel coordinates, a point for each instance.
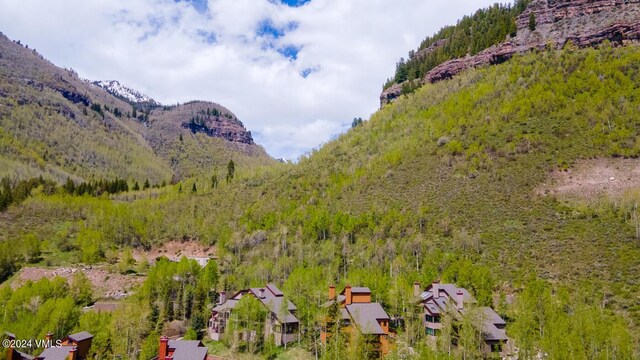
(13, 192)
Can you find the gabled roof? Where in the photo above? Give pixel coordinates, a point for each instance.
(188, 350)
(81, 336)
(272, 298)
(275, 304)
(55, 353)
(366, 316)
(492, 316)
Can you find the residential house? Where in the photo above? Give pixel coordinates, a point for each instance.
(73, 347)
(438, 299)
(181, 350)
(357, 311)
(281, 322)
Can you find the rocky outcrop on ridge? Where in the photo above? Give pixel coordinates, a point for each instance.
(581, 22)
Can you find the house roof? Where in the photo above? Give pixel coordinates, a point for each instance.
(344, 314)
(273, 299)
(437, 305)
(55, 353)
(188, 350)
(491, 332)
(432, 307)
(227, 305)
(492, 316)
(340, 299)
(274, 290)
(81, 336)
(366, 316)
(358, 290)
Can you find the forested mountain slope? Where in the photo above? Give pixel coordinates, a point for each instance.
(443, 183)
(493, 35)
(54, 124)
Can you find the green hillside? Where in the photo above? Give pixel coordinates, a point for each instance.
(56, 125)
(440, 184)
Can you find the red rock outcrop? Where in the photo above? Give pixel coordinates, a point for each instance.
(582, 22)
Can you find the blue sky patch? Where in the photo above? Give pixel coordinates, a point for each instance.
(200, 5)
(267, 28)
(208, 37)
(308, 71)
(156, 24)
(292, 3)
(290, 52)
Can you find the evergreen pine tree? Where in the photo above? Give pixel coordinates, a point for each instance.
(69, 186)
(231, 170)
(532, 21)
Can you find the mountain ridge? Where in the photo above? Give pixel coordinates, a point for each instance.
(115, 88)
(56, 125)
(544, 23)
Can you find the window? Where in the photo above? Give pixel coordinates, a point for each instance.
(431, 331)
(432, 319)
(277, 328)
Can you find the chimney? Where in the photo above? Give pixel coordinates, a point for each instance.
(416, 289)
(435, 288)
(73, 353)
(164, 348)
(223, 297)
(347, 294)
(261, 294)
(49, 340)
(332, 292)
(460, 299)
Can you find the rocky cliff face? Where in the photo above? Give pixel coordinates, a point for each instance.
(558, 22)
(203, 117)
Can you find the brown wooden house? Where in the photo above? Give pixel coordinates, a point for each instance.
(359, 313)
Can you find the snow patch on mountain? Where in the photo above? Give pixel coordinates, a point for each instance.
(116, 89)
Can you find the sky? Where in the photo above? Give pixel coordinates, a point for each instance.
(295, 72)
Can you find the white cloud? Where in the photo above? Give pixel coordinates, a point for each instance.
(159, 47)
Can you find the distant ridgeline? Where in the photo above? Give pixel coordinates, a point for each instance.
(495, 34)
(55, 125)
